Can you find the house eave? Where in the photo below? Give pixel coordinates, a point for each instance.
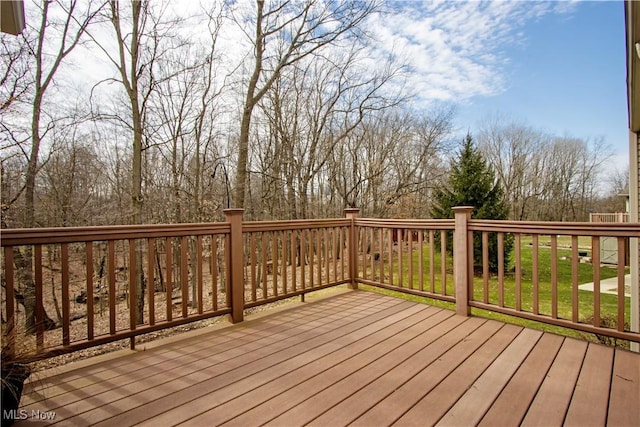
(632, 26)
(12, 16)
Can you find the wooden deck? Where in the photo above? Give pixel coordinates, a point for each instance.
(358, 358)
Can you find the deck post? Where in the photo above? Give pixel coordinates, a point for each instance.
(462, 258)
(235, 253)
(352, 214)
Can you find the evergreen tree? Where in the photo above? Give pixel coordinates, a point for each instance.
(472, 182)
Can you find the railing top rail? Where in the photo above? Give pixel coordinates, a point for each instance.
(296, 224)
(36, 236)
(437, 224)
(621, 229)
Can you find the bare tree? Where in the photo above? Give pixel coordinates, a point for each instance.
(544, 177)
(58, 30)
(312, 110)
(70, 181)
(142, 34)
(184, 106)
(614, 192)
(390, 165)
(15, 81)
(515, 151)
(285, 33)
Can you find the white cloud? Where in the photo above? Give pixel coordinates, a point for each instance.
(455, 50)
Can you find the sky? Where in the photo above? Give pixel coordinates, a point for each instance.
(559, 67)
(570, 77)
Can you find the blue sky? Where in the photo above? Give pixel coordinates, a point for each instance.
(566, 76)
(557, 66)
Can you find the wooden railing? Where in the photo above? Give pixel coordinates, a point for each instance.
(552, 275)
(556, 276)
(285, 259)
(410, 256)
(86, 280)
(101, 284)
(609, 217)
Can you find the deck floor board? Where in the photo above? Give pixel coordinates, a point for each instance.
(357, 358)
(624, 406)
(550, 405)
(514, 400)
(589, 400)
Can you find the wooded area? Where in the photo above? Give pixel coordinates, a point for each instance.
(275, 107)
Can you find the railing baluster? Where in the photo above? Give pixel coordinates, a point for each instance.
(184, 277)
(470, 265)
(319, 252)
(336, 252)
(595, 260)
(421, 260)
(554, 276)
(518, 272)
(344, 253)
(326, 274)
(381, 235)
(284, 240)
(485, 267)
(111, 280)
(66, 317)
(432, 262)
(371, 247)
(344, 244)
(274, 262)
(326, 277)
(10, 330)
(501, 269)
(263, 243)
(227, 271)
(400, 257)
(362, 245)
(443, 260)
(621, 286)
(39, 314)
(132, 284)
(534, 275)
(90, 288)
(151, 281)
(133, 289)
(303, 257)
(252, 263)
(574, 279)
(294, 260)
(311, 255)
(199, 274)
(410, 260)
(391, 257)
(214, 272)
(169, 281)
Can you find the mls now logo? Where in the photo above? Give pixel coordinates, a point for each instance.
(23, 414)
